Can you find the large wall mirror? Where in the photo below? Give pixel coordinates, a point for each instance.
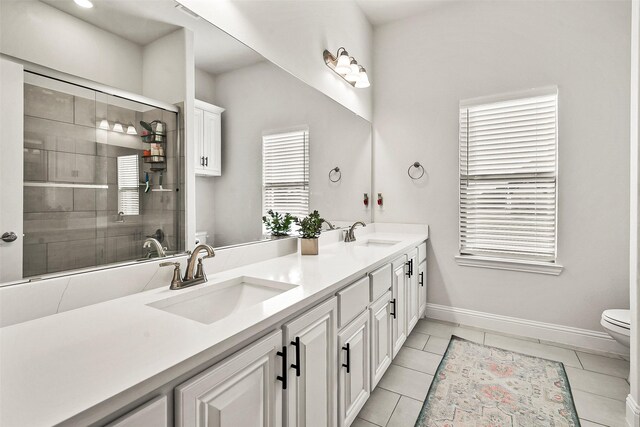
(103, 137)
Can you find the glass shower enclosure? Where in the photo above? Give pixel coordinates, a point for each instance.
(101, 177)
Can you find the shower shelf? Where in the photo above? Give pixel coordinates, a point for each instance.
(154, 159)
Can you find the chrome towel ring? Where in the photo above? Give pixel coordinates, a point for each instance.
(332, 174)
(416, 165)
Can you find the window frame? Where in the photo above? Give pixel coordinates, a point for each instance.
(552, 267)
(307, 149)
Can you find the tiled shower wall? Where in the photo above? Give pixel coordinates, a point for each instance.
(68, 227)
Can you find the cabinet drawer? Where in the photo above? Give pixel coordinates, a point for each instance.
(152, 413)
(352, 301)
(422, 252)
(380, 282)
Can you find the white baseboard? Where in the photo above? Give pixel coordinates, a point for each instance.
(633, 412)
(598, 341)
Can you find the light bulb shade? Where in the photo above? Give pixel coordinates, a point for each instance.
(343, 66)
(84, 3)
(104, 124)
(363, 79)
(352, 77)
(131, 130)
(118, 128)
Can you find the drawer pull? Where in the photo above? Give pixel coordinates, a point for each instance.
(296, 366)
(422, 278)
(393, 302)
(347, 365)
(285, 368)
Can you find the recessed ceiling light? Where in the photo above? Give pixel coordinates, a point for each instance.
(84, 3)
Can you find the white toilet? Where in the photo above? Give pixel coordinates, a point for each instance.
(617, 323)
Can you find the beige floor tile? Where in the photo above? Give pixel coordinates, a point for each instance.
(436, 345)
(406, 382)
(417, 359)
(600, 384)
(359, 422)
(444, 330)
(598, 409)
(416, 340)
(566, 356)
(406, 413)
(604, 365)
(379, 407)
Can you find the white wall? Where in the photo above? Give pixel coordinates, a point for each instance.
(263, 97)
(205, 86)
(35, 32)
(293, 34)
(425, 65)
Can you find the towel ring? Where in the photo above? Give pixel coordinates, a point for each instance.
(416, 165)
(335, 170)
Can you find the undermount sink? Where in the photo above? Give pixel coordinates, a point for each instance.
(377, 243)
(212, 303)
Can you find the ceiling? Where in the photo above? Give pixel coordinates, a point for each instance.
(142, 22)
(380, 12)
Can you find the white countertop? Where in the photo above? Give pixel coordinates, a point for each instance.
(56, 367)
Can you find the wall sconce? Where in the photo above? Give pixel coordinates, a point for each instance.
(347, 67)
(104, 124)
(118, 128)
(131, 130)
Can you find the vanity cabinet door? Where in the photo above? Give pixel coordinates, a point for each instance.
(381, 338)
(413, 299)
(399, 293)
(311, 395)
(353, 369)
(242, 390)
(422, 287)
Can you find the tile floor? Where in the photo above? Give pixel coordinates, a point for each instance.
(598, 383)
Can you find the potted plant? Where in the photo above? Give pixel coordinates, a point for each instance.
(310, 227)
(278, 225)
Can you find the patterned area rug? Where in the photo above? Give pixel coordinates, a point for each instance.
(480, 386)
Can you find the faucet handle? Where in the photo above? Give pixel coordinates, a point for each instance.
(176, 280)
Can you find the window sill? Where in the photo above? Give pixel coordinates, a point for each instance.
(509, 264)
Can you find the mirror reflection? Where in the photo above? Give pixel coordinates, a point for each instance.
(107, 164)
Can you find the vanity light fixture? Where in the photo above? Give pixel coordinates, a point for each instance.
(347, 68)
(104, 124)
(131, 130)
(84, 3)
(118, 128)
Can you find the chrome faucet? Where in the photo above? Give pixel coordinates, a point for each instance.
(349, 235)
(331, 226)
(189, 278)
(153, 245)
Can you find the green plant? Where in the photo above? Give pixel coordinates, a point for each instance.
(310, 226)
(278, 225)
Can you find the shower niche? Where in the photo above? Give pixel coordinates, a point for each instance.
(101, 176)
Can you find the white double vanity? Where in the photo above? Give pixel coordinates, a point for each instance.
(293, 340)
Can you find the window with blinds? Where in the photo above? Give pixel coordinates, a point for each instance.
(508, 177)
(128, 185)
(285, 172)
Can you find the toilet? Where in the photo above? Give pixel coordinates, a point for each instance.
(617, 323)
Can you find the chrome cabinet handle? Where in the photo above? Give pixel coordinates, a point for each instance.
(9, 237)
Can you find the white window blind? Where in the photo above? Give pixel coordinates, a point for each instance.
(128, 185)
(285, 163)
(508, 177)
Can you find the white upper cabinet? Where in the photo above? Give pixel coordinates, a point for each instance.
(311, 397)
(208, 139)
(242, 390)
